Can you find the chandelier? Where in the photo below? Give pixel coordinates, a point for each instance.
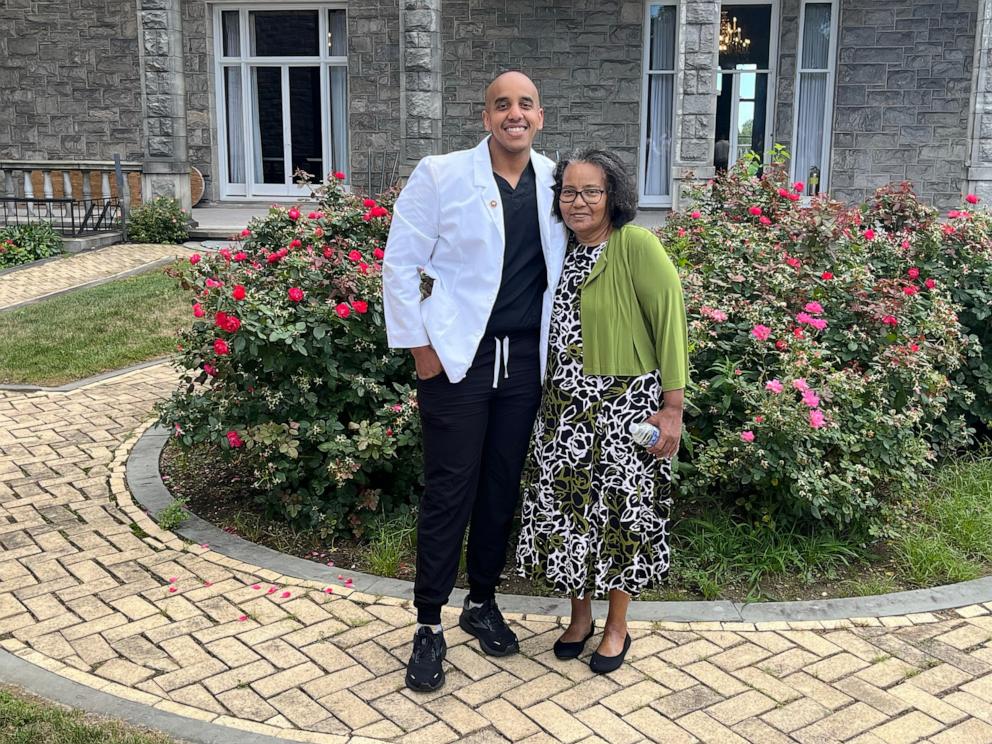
(731, 36)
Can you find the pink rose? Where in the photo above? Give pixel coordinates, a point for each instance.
(890, 320)
(245, 233)
(747, 436)
(210, 369)
(816, 419)
(774, 386)
(756, 211)
(818, 323)
(800, 384)
(761, 332)
(910, 290)
(696, 214)
(342, 310)
(803, 317)
(810, 398)
(198, 311)
(764, 220)
(379, 254)
(293, 214)
(913, 273)
(813, 307)
(194, 259)
(930, 283)
(233, 439)
(972, 199)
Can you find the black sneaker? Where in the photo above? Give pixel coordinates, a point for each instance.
(424, 672)
(487, 624)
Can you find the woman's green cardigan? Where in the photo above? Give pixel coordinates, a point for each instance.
(632, 311)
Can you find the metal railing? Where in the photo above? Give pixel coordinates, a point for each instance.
(70, 217)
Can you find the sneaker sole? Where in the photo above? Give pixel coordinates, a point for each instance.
(426, 687)
(489, 650)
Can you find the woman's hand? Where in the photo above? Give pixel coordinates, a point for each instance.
(669, 423)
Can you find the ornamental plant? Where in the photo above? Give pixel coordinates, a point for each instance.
(287, 367)
(161, 220)
(21, 244)
(826, 373)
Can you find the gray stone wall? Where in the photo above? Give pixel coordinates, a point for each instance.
(904, 81)
(198, 71)
(69, 80)
(373, 85)
(584, 55)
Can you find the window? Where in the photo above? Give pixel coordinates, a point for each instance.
(814, 95)
(282, 96)
(657, 118)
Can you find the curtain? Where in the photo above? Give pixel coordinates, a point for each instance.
(812, 119)
(235, 125)
(256, 128)
(339, 119)
(661, 89)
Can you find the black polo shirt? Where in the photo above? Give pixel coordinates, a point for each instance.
(519, 300)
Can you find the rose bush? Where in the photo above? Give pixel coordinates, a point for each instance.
(287, 366)
(829, 360)
(160, 220)
(25, 243)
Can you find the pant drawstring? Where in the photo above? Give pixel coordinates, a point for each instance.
(502, 351)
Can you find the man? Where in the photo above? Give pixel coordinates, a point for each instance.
(476, 228)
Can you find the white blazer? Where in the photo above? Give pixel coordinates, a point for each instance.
(448, 222)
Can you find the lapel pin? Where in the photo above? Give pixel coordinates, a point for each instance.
(493, 204)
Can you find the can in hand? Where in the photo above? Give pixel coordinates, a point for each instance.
(645, 434)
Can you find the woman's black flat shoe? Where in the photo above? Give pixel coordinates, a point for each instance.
(565, 650)
(606, 664)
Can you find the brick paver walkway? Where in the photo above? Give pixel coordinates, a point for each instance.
(92, 590)
(78, 269)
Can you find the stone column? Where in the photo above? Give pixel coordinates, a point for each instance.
(695, 93)
(980, 159)
(420, 79)
(166, 162)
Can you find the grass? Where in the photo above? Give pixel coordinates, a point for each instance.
(173, 515)
(391, 542)
(947, 537)
(714, 551)
(90, 331)
(27, 720)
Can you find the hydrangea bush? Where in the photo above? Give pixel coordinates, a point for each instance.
(287, 363)
(830, 359)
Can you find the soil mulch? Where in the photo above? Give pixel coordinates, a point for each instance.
(221, 492)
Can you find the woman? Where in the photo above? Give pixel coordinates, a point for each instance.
(596, 504)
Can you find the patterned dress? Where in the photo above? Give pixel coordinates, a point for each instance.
(595, 506)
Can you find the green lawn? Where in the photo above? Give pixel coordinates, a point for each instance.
(27, 720)
(95, 330)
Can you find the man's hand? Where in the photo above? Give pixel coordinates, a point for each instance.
(669, 423)
(427, 361)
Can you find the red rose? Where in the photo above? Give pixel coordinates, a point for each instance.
(245, 233)
(355, 255)
(930, 283)
(198, 311)
(784, 193)
(368, 203)
(972, 199)
(312, 216)
(220, 347)
(798, 187)
(913, 273)
(328, 252)
(220, 319)
(225, 253)
(232, 325)
(233, 439)
(826, 276)
(363, 267)
(319, 232)
(764, 220)
(755, 211)
(869, 234)
(293, 214)
(367, 217)
(890, 320)
(240, 256)
(379, 211)
(339, 175)
(295, 294)
(343, 310)
(910, 290)
(295, 243)
(781, 345)
(239, 292)
(210, 369)
(194, 259)
(360, 306)
(379, 253)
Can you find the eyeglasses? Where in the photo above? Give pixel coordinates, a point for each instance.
(589, 196)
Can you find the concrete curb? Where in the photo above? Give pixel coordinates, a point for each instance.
(51, 686)
(146, 486)
(70, 386)
(95, 283)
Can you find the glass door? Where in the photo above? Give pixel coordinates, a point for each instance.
(282, 94)
(743, 82)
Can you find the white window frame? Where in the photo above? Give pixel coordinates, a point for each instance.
(654, 200)
(245, 62)
(831, 70)
(774, 31)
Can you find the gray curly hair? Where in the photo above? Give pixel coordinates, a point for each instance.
(621, 193)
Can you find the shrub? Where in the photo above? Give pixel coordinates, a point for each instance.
(824, 371)
(24, 243)
(287, 363)
(160, 220)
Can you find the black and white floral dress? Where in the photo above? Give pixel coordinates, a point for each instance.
(595, 505)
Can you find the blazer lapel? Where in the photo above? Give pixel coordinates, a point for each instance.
(545, 180)
(485, 182)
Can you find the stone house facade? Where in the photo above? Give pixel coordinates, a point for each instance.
(860, 92)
